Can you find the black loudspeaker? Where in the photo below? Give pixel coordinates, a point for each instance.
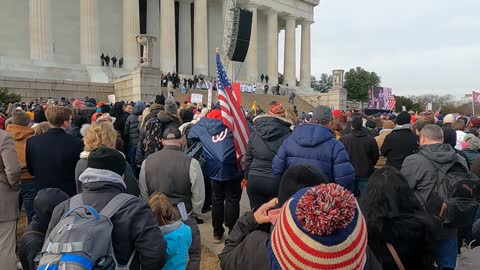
(241, 30)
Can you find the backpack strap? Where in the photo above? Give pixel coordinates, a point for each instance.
(395, 256)
(115, 204)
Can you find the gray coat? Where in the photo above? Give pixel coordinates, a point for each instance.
(421, 174)
(469, 260)
(10, 171)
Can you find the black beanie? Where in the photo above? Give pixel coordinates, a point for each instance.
(298, 177)
(403, 118)
(106, 158)
(160, 99)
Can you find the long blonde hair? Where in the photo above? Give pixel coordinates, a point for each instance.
(100, 134)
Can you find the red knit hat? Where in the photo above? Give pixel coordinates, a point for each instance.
(215, 114)
(277, 109)
(320, 227)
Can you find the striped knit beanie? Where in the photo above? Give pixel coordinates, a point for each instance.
(320, 227)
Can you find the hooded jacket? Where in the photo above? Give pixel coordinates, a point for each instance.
(134, 227)
(132, 125)
(267, 137)
(131, 182)
(315, 145)
(362, 150)
(380, 139)
(421, 173)
(398, 145)
(20, 134)
(179, 239)
(32, 240)
(218, 148)
(9, 178)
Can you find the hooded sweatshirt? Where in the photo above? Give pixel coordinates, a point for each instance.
(179, 239)
(32, 240)
(315, 145)
(20, 135)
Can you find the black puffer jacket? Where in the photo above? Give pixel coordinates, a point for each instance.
(134, 227)
(132, 126)
(268, 135)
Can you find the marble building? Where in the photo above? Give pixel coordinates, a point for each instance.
(63, 39)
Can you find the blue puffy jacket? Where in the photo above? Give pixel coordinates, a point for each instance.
(315, 145)
(218, 148)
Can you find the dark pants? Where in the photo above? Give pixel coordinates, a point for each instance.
(132, 152)
(208, 192)
(360, 185)
(225, 204)
(28, 191)
(195, 250)
(261, 190)
(446, 253)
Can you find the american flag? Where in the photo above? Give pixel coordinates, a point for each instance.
(392, 103)
(232, 113)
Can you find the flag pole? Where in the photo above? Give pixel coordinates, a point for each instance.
(473, 103)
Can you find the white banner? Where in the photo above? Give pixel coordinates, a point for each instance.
(429, 106)
(404, 108)
(197, 98)
(111, 99)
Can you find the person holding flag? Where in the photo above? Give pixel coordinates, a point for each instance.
(224, 135)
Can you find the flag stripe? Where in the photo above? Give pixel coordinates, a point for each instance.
(232, 113)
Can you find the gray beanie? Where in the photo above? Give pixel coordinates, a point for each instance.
(322, 113)
(171, 106)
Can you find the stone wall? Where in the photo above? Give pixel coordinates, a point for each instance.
(33, 88)
(335, 99)
(142, 84)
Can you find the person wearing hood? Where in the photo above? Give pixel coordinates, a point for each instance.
(421, 172)
(90, 108)
(395, 216)
(448, 120)
(315, 144)
(132, 133)
(363, 152)
(400, 143)
(103, 134)
(269, 133)
(225, 177)
(470, 146)
(39, 114)
(20, 131)
(134, 227)
(32, 240)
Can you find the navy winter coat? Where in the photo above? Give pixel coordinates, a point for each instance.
(315, 145)
(218, 148)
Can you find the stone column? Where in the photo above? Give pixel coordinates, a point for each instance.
(200, 39)
(41, 37)
(252, 57)
(89, 32)
(289, 64)
(305, 66)
(185, 39)
(272, 47)
(168, 57)
(131, 28)
(153, 28)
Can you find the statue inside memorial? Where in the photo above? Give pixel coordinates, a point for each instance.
(114, 61)
(102, 58)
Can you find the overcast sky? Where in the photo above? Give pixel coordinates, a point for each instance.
(416, 46)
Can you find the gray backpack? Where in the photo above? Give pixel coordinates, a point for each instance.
(82, 238)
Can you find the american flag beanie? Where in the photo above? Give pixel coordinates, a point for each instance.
(319, 227)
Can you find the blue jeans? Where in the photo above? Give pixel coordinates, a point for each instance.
(28, 191)
(446, 253)
(360, 185)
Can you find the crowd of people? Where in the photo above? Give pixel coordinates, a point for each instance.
(126, 185)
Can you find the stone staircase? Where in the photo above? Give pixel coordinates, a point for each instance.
(248, 99)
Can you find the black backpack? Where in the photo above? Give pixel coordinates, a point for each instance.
(450, 201)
